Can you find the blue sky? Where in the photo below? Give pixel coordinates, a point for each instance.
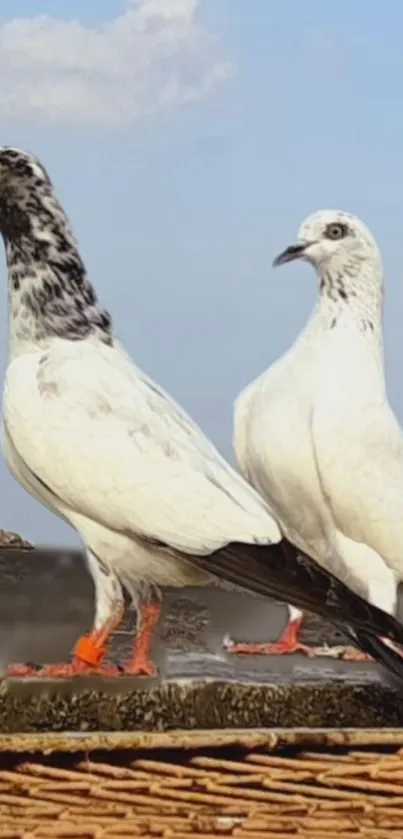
(179, 212)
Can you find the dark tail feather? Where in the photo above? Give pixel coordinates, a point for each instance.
(283, 572)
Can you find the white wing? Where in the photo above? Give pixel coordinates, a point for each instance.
(114, 448)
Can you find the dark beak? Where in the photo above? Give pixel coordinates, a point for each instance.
(293, 252)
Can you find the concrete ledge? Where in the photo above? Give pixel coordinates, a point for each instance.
(123, 706)
(93, 706)
(46, 602)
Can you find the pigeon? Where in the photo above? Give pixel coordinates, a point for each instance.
(315, 433)
(98, 443)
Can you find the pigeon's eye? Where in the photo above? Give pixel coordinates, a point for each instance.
(337, 230)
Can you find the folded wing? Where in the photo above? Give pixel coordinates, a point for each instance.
(112, 446)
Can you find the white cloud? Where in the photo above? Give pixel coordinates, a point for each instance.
(155, 55)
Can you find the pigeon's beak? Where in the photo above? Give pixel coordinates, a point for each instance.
(290, 253)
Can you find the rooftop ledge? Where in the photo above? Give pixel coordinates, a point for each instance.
(46, 601)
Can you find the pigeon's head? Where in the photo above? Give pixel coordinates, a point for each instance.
(333, 241)
(20, 173)
(25, 190)
(28, 206)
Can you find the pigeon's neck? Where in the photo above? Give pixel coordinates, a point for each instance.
(349, 301)
(49, 293)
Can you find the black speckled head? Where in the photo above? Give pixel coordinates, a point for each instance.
(23, 183)
(49, 292)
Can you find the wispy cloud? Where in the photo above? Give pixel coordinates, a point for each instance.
(156, 55)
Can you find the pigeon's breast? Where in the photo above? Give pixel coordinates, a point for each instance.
(281, 463)
(348, 375)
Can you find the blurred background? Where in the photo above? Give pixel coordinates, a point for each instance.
(187, 140)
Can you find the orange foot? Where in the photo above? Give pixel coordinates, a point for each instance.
(287, 643)
(89, 651)
(140, 664)
(57, 671)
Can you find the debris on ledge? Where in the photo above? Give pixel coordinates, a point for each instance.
(9, 539)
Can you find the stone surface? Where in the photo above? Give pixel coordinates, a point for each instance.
(46, 601)
(9, 539)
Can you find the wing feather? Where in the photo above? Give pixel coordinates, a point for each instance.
(113, 447)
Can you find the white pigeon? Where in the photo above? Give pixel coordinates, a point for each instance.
(315, 433)
(99, 444)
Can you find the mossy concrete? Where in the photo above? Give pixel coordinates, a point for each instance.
(58, 707)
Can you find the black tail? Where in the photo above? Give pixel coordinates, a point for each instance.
(283, 572)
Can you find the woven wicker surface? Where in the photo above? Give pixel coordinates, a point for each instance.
(269, 739)
(251, 794)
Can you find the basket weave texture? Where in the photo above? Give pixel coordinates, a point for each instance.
(250, 794)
